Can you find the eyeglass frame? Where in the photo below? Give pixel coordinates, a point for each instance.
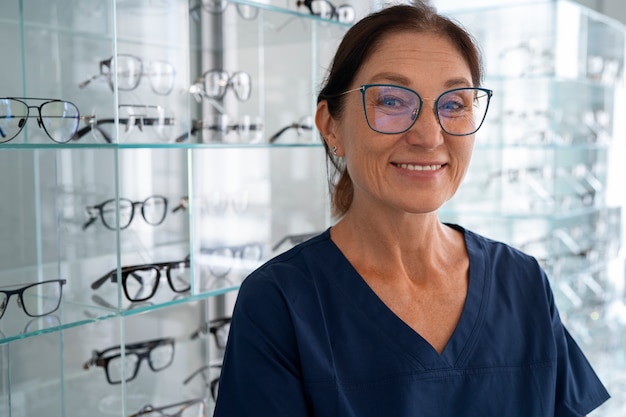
(98, 359)
(212, 384)
(20, 296)
(89, 120)
(129, 123)
(203, 6)
(301, 124)
(128, 270)
(212, 327)
(197, 125)
(183, 404)
(108, 63)
(415, 114)
(200, 81)
(100, 215)
(333, 9)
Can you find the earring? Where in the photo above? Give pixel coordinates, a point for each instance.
(334, 150)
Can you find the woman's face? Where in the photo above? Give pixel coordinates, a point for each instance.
(416, 171)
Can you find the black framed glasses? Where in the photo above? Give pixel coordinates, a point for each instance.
(306, 123)
(218, 327)
(153, 210)
(58, 118)
(140, 282)
(131, 116)
(36, 300)
(210, 382)
(344, 13)
(190, 408)
(159, 353)
(392, 109)
(214, 84)
(128, 70)
(217, 7)
(221, 259)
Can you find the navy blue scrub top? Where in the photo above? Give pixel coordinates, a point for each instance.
(310, 338)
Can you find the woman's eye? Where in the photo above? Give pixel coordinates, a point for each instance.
(390, 101)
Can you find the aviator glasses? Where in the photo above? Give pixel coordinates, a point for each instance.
(393, 109)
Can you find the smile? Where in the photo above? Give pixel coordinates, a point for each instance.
(412, 167)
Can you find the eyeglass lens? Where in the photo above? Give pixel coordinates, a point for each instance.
(216, 83)
(153, 210)
(394, 109)
(140, 283)
(58, 118)
(130, 69)
(159, 357)
(38, 299)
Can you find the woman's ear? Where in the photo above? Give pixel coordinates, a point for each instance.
(327, 126)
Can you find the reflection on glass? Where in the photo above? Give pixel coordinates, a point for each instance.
(220, 260)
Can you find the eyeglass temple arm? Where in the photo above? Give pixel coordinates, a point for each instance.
(89, 222)
(190, 377)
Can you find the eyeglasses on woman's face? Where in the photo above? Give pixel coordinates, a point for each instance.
(393, 109)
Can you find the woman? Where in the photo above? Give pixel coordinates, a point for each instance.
(391, 312)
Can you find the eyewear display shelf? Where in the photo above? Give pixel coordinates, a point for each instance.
(166, 178)
(548, 164)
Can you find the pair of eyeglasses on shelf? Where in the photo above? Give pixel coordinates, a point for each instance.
(210, 382)
(131, 116)
(218, 327)
(153, 210)
(306, 123)
(126, 71)
(326, 10)
(218, 128)
(159, 353)
(140, 282)
(58, 118)
(220, 260)
(190, 408)
(217, 7)
(35, 299)
(393, 109)
(214, 84)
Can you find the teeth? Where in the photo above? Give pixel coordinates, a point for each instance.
(411, 167)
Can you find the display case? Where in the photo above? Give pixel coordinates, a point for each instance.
(153, 152)
(548, 162)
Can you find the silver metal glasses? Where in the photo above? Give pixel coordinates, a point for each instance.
(128, 70)
(392, 109)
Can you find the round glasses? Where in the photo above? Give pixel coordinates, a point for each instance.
(392, 109)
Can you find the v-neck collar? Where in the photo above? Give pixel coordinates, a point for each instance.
(408, 340)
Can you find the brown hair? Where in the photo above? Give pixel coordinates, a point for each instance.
(357, 45)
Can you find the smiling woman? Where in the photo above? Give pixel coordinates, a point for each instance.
(390, 312)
